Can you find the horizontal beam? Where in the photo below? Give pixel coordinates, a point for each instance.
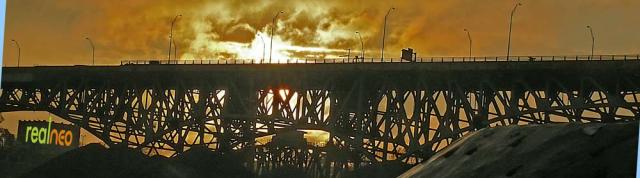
(324, 76)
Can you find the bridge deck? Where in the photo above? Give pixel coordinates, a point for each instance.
(320, 76)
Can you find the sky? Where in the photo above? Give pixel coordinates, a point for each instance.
(53, 32)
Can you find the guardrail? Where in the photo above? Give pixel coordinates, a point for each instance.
(392, 60)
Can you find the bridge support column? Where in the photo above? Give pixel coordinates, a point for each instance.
(481, 116)
(239, 122)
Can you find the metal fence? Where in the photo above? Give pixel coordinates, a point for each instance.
(392, 60)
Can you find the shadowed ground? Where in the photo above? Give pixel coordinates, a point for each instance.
(554, 150)
(559, 150)
(96, 161)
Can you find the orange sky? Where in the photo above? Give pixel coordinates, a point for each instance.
(53, 32)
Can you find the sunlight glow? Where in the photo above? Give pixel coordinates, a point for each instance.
(256, 50)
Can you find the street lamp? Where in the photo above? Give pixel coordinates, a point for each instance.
(264, 47)
(272, 28)
(470, 41)
(361, 45)
(593, 41)
(17, 45)
(510, 25)
(171, 34)
(384, 31)
(93, 51)
(175, 49)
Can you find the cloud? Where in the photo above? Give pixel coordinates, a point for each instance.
(52, 32)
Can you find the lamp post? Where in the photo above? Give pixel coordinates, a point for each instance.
(175, 50)
(593, 41)
(264, 47)
(272, 28)
(384, 31)
(93, 51)
(510, 25)
(17, 45)
(171, 34)
(361, 45)
(470, 41)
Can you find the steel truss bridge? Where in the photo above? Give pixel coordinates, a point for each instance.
(373, 111)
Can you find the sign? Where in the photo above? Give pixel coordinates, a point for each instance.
(48, 133)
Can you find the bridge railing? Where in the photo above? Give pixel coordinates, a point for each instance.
(394, 60)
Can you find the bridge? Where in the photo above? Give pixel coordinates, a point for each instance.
(373, 110)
